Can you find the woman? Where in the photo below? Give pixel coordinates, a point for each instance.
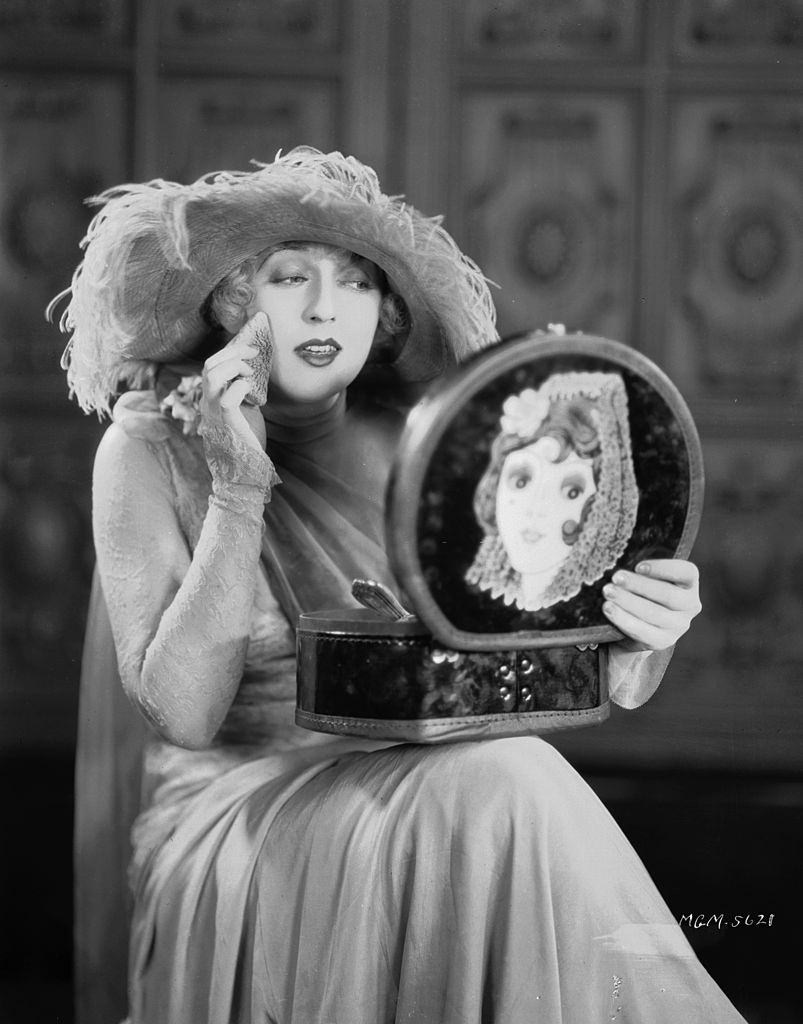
(558, 501)
(279, 875)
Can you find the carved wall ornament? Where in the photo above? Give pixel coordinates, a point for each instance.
(62, 136)
(551, 243)
(42, 222)
(751, 553)
(42, 213)
(608, 26)
(217, 112)
(45, 551)
(216, 123)
(47, 105)
(756, 247)
(548, 221)
(310, 21)
(83, 17)
(739, 24)
(743, 256)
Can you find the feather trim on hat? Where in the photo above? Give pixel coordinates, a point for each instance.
(155, 251)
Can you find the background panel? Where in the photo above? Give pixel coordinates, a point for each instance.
(549, 193)
(213, 123)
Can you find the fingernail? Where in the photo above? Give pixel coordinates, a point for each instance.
(644, 568)
(607, 608)
(607, 590)
(620, 578)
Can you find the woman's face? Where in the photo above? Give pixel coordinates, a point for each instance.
(536, 495)
(323, 305)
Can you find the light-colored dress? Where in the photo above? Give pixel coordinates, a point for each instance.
(285, 877)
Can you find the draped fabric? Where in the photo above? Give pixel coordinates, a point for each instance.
(286, 877)
(324, 523)
(108, 768)
(474, 883)
(324, 527)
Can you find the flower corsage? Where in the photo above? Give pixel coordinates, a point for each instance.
(184, 403)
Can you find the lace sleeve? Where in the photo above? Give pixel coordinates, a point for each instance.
(242, 477)
(180, 619)
(634, 678)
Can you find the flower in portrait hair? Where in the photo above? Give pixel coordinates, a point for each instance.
(523, 414)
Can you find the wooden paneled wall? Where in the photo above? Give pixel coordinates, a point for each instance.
(632, 169)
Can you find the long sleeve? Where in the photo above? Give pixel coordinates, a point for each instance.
(180, 618)
(634, 678)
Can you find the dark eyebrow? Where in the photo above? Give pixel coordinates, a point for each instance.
(576, 479)
(344, 258)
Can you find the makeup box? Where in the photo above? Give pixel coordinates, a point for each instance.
(521, 484)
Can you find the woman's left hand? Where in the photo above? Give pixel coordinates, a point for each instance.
(653, 606)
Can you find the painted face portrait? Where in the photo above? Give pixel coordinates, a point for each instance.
(558, 500)
(539, 503)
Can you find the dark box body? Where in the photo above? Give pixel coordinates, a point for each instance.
(365, 676)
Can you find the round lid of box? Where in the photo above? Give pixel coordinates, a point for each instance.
(527, 478)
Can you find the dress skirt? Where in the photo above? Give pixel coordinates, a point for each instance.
(458, 884)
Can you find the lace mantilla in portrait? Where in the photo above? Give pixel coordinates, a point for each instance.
(557, 502)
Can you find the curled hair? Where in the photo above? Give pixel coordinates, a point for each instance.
(230, 298)
(228, 301)
(585, 413)
(571, 424)
(394, 317)
(572, 528)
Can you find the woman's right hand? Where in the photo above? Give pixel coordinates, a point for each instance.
(226, 380)
(233, 433)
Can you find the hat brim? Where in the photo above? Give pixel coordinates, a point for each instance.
(228, 233)
(156, 251)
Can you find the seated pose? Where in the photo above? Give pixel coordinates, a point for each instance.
(282, 876)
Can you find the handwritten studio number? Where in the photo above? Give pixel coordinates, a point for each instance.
(721, 921)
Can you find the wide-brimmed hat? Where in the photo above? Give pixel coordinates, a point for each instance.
(155, 251)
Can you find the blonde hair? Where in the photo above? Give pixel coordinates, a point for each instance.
(227, 303)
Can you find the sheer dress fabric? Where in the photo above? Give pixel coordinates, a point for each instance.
(285, 877)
